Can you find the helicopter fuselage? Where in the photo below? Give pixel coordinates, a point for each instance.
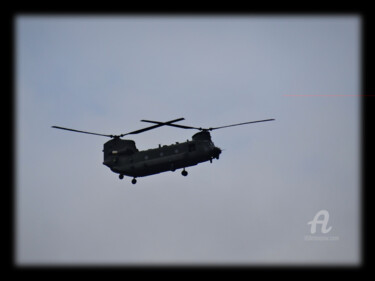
(122, 156)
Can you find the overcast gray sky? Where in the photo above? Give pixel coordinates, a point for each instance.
(104, 74)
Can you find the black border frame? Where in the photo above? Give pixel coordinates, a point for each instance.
(367, 140)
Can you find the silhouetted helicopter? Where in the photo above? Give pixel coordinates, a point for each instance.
(123, 157)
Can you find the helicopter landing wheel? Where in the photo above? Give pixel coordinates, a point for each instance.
(121, 176)
(184, 173)
(134, 181)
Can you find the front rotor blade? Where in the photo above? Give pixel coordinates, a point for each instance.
(221, 127)
(185, 127)
(84, 132)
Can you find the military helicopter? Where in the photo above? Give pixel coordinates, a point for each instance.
(123, 157)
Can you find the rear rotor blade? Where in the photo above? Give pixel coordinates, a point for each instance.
(221, 127)
(203, 129)
(159, 124)
(173, 125)
(84, 132)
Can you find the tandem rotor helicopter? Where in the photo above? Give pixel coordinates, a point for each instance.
(123, 157)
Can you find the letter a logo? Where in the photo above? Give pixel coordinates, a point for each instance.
(323, 222)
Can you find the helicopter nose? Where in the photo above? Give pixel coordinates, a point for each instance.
(216, 152)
